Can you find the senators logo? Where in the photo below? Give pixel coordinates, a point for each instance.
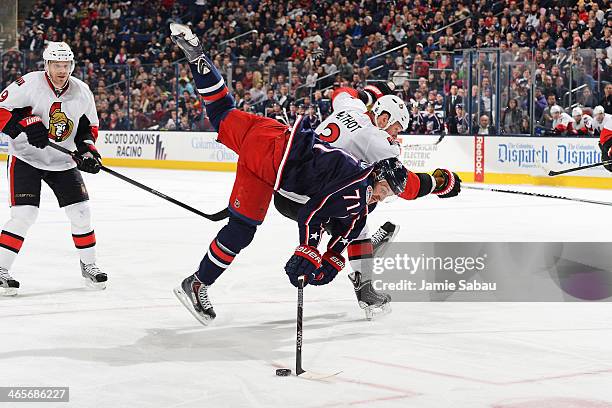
(60, 127)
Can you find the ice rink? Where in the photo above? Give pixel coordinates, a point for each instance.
(135, 346)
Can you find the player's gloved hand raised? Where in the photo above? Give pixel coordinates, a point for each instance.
(305, 261)
(37, 133)
(448, 184)
(330, 266)
(87, 158)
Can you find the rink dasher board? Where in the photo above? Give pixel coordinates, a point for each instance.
(487, 159)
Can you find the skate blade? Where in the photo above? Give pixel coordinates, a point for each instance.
(95, 285)
(186, 301)
(9, 292)
(372, 312)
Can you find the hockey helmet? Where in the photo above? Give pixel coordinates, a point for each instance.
(58, 51)
(555, 110)
(577, 111)
(393, 172)
(394, 107)
(599, 110)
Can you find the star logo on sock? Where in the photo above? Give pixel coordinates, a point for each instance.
(344, 241)
(314, 235)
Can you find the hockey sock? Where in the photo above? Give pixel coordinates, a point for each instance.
(83, 234)
(211, 87)
(360, 256)
(14, 232)
(230, 240)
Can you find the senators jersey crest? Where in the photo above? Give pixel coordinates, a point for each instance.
(60, 126)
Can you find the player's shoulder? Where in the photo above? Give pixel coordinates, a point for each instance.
(30, 79)
(79, 84)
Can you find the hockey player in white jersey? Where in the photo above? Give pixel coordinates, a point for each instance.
(583, 124)
(562, 122)
(602, 123)
(36, 108)
(371, 135)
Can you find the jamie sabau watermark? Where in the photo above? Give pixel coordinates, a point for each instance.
(34, 394)
(495, 271)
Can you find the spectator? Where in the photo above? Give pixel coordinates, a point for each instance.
(431, 123)
(484, 126)
(512, 118)
(606, 101)
(311, 120)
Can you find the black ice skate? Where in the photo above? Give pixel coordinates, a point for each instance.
(193, 294)
(7, 283)
(187, 41)
(383, 236)
(94, 277)
(372, 302)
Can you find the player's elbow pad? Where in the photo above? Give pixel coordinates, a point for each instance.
(417, 185)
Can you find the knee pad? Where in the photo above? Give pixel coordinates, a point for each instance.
(237, 234)
(24, 216)
(79, 215)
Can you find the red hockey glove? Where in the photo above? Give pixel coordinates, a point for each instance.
(331, 265)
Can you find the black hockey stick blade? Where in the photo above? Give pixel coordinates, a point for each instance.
(213, 217)
(588, 166)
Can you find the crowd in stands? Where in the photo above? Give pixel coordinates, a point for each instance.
(292, 53)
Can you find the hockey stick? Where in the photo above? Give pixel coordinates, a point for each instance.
(442, 136)
(497, 190)
(299, 333)
(213, 217)
(299, 371)
(556, 173)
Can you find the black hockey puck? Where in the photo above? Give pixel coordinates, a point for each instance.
(283, 372)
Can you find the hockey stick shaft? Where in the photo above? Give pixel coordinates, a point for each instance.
(498, 190)
(299, 333)
(426, 144)
(213, 217)
(588, 166)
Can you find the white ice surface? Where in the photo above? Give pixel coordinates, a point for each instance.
(135, 346)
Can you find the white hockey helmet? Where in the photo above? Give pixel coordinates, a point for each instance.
(395, 107)
(598, 110)
(58, 51)
(577, 111)
(555, 109)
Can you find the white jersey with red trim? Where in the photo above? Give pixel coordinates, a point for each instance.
(564, 123)
(350, 128)
(604, 127)
(584, 126)
(60, 114)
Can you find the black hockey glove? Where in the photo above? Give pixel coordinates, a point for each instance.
(305, 261)
(331, 265)
(87, 158)
(38, 134)
(450, 186)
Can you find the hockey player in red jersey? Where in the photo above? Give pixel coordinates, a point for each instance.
(42, 106)
(602, 123)
(366, 123)
(342, 189)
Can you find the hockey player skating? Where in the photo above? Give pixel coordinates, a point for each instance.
(271, 157)
(370, 135)
(602, 123)
(42, 106)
